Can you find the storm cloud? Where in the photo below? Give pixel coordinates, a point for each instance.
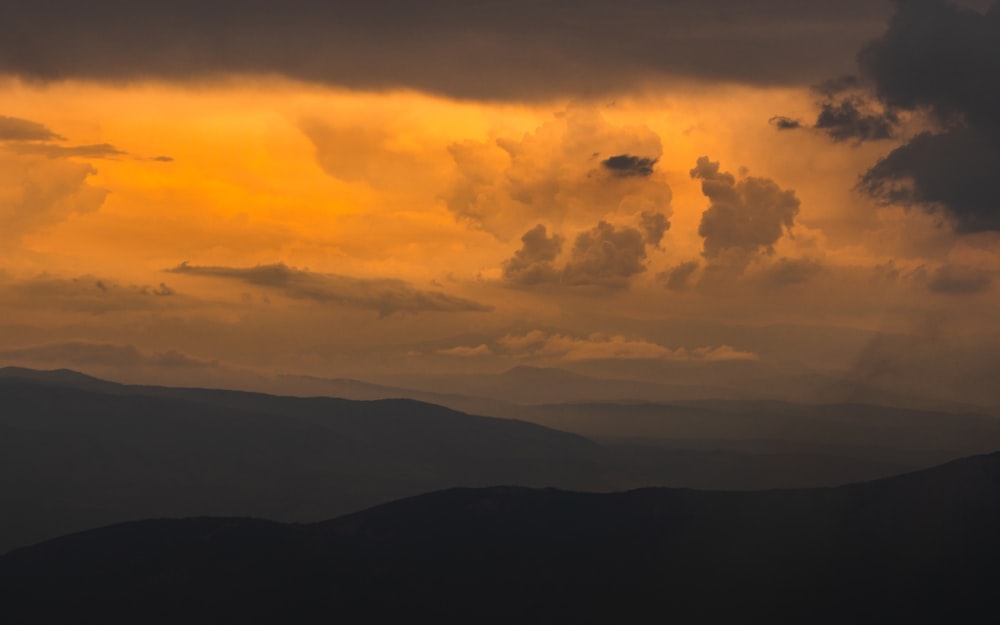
(852, 118)
(746, 217)
(385, 296)
(941, 59)
(512, 50)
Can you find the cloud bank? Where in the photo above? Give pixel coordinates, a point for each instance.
(388, 297)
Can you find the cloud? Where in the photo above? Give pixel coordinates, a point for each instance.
(679, 277)
(784, 123)
(518, 49)
(597, 346)
(555, 175)
(606, 256)
(957, 280)
(37, 193)
(50, 150)
(940, 59)
(83, 354)
(14, 129)
(790, 271)
(654, 225)
(388, 297)
(467, 352)
(533, 263)
(87, 293)
(954, 172)
(626, 165)
(853, 118)
(746, 217)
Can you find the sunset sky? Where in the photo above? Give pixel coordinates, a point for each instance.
(197, 192)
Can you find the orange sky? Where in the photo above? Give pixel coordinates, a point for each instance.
(390, 219)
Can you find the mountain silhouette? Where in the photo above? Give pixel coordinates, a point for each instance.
(917, 548)
(78, 453)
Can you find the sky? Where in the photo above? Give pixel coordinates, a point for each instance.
(202, 193)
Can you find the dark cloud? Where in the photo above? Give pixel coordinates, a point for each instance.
(790, 271)
(385, 296)
(957, 280)
(746, 217)
(679, 278)
(654, 225)
(626, 165)
(942, 59)
(50, 150)
(954, 171)
(784, 123)
(162, 159)
(606, 256)
(533, 263)
(835, 86)
(853, 118)
(501, 50)
(14, 129)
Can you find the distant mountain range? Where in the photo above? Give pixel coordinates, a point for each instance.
(77, 452)
(917, 548)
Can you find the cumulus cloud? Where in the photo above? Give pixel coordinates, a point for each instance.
(606, 256)
(626, 165)
(939, 58)
(654, 225)
(383, 295)
(541, 345)
(15, 129)
(533, 263)
(958, 280)
(746, 217)
(555, 175)
(518, 49)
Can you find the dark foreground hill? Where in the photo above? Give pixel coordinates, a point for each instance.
(77, 453)
(919, 548)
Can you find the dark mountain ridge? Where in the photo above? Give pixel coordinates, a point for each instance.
(77, 452)
(917, 548)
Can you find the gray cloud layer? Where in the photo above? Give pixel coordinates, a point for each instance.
(386, 296)
(512, 49)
